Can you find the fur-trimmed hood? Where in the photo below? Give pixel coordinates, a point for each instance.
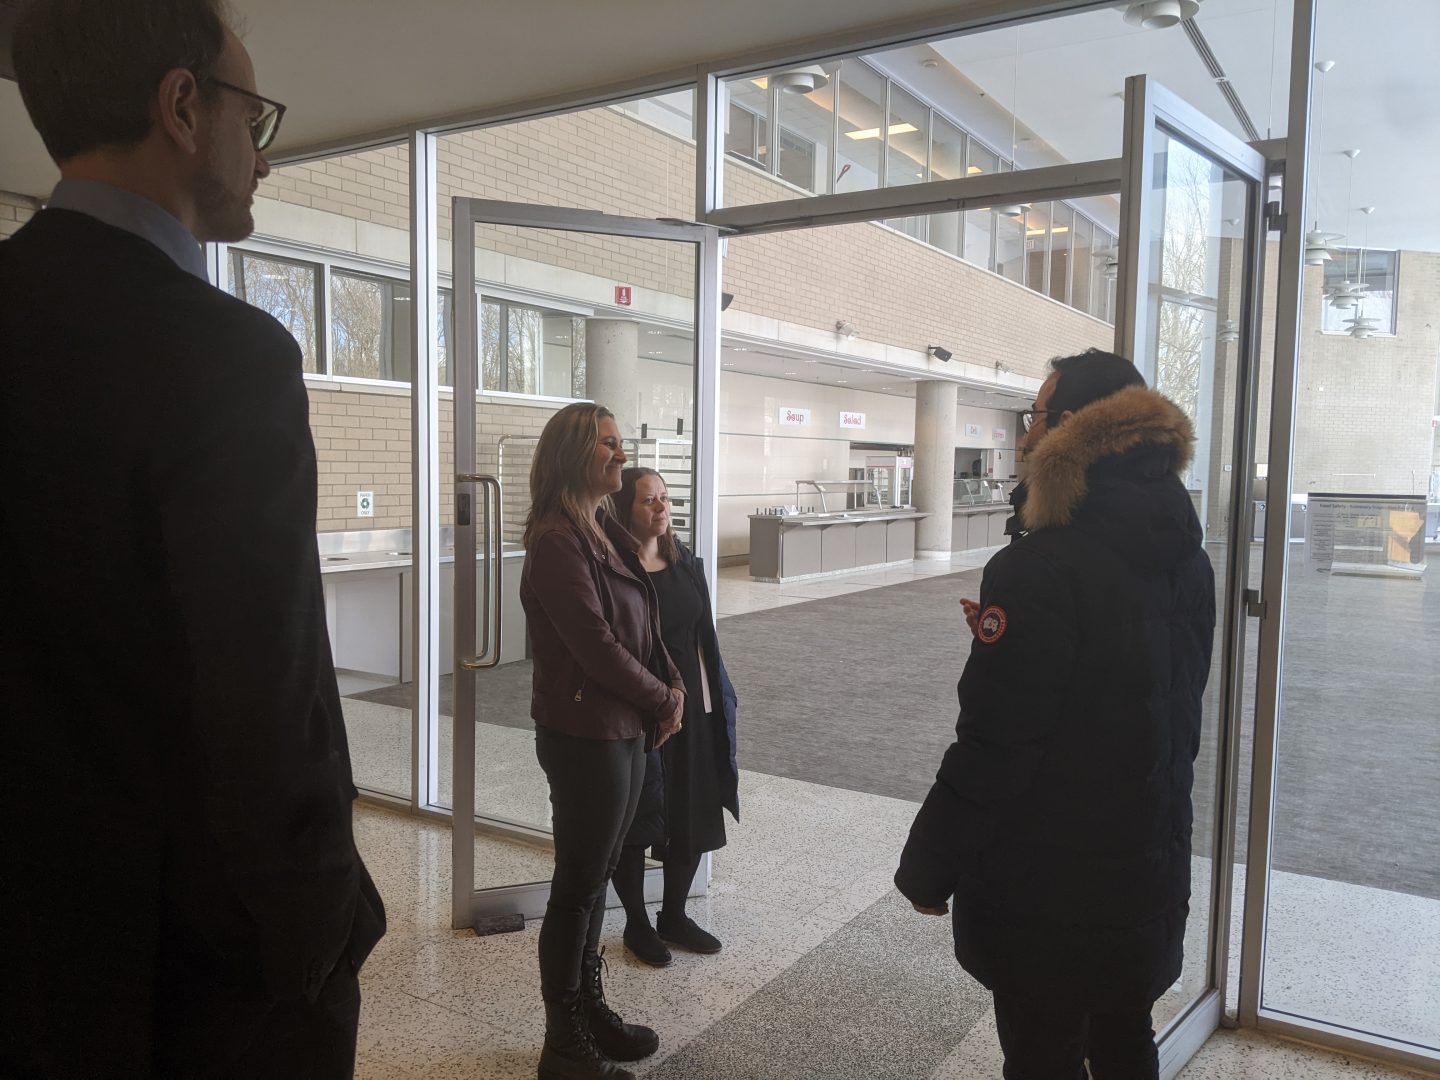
(1056, 484)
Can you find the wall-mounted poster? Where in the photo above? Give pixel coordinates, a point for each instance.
(1000, 434)
(972, 431)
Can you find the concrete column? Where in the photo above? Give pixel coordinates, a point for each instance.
(935, 406)
(612, 370)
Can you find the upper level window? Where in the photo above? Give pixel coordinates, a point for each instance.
(370, 327)
(528, 350)
(287, 289)
(1379, 270)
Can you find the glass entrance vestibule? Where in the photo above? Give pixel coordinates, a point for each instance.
(477, 297)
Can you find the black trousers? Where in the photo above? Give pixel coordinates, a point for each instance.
(594, 788)
(1049, 1042)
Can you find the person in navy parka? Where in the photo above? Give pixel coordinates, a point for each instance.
(1060, 819)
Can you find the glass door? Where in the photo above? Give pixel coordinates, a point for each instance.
(551, 305)
(1190, 271)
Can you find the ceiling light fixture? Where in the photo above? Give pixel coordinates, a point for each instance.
(1161, 14)
(874, 133)
(805, 80)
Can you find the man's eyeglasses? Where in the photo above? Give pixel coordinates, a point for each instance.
(266, 125)
(1027, 418)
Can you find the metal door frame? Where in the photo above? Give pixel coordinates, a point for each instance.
(469, 904)
(1150, 107)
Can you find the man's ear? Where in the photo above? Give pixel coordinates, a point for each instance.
(178, 108)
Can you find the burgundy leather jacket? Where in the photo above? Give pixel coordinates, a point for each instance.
(594, 626)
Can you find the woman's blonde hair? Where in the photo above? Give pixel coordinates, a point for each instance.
(560, 470)
(624, 504)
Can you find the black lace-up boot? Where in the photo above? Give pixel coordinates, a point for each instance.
(570, 1052)
(615, 1038)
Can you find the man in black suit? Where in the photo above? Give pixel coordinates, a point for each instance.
(181, 890)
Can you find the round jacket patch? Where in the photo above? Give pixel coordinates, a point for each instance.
(991, 627)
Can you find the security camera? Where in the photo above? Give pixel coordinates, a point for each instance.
(940, 353)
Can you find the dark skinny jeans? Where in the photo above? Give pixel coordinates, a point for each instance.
(594, 789)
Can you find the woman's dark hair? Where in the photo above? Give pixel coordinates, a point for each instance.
(88, 69)
(624, 503)
(1089, 376)
(560, 469)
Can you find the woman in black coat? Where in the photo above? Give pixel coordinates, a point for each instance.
(694, 775)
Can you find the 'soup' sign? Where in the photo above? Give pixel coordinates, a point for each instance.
(795, 417)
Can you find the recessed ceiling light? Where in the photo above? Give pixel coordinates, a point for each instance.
(656, 332)
(792, 373)
(812, 361)
(842, 381)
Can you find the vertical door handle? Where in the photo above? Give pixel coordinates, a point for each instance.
(492, 579)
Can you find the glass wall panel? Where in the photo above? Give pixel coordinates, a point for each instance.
(981, 225)
(806, 130)
(330, 260)
(947, 162)
(1195, 234)
(908, 136)
(1037, 247)
(1011, 243)
(1353, 922)
(1062, 228)
(1082, 254)
(567, 315)
(861, 107)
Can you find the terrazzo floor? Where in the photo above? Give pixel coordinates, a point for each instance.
(803, 899)
(826, 973)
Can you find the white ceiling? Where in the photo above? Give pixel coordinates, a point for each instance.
(1382, 96)
(347, 71)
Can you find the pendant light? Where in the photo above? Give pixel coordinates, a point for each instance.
(1015, 210)
(1347, 293)
(1317, 243)
(1360, 326)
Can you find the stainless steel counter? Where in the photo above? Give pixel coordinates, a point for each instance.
(790, 547)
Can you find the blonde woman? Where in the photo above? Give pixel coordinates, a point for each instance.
(604, 692)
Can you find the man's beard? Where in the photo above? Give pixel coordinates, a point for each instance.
(223, 217)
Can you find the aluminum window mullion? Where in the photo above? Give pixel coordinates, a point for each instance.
(424, 472)
(1276, 551)
(883, 173)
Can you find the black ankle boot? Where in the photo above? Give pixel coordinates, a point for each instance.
(683, 931)
(570, 1052)
(615, 1038)
(645, 944)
